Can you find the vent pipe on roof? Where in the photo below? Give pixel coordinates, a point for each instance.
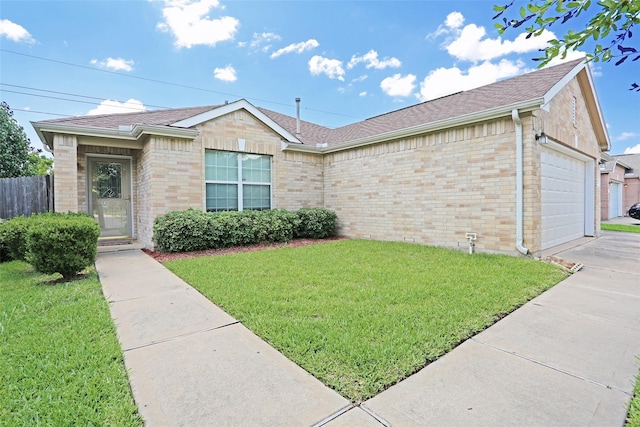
(297, 117)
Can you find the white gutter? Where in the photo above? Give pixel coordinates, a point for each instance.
(519, 184)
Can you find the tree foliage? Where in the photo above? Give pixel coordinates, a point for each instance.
(14, 145)
(17, 158)
(610, 27)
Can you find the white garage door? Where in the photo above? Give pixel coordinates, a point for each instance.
(615, 200)
(563, 198)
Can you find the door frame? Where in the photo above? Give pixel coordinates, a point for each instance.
(129, 160)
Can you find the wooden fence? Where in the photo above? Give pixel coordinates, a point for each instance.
(25, 195)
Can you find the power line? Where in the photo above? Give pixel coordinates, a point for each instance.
(68, 94)
(69, 100)
(39, 112)
(169, 83)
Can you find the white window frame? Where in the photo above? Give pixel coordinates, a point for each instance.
(240, 183)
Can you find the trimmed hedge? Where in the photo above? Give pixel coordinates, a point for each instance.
(316, 223)
(192, 230)
(183, 231)
(62, 243)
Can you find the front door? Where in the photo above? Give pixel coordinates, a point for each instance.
(110, 195)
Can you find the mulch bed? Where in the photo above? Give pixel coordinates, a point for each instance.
(171, 256)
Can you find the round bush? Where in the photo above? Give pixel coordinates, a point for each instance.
(61, 243)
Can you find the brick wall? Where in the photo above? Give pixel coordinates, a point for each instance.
(66, 173)
(430, 189)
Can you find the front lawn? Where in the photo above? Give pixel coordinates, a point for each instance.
(362, 315)
(621, 227)
(60, 361)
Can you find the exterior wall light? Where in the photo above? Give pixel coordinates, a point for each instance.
(542, 138)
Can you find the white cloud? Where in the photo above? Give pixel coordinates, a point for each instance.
(118, 64)
(445, 81)
(226, 74)
(296, 48)
(471, 44)
(632, 150)
(453, 21)
(109, 106)
(332, 68)
(371, 60)
(187, 20)
(260, 39)
(363, 93)
(14, 32)
(360, 79)
(398, 85)
(626, 135)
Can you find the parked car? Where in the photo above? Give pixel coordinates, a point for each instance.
(634, 211)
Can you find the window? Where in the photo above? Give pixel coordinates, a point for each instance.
(237, 181)
(574, 112)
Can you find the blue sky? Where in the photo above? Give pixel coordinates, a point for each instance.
(346, 60)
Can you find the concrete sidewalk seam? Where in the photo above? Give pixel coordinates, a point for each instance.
(562, 371)
(175, 337)
(112, 301)
(334, 415)
(377, 417)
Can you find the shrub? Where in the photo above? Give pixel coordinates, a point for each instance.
(316, 223)
(191, 230)
(4, 251)
(184, 231)
(61, 243)
(13, 237)
(237, 228)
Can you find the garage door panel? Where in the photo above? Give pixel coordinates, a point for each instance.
(563, 198)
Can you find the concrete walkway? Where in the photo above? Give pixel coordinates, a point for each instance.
(567, 357)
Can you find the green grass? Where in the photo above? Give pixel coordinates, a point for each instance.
(633, 418)
(60, 361)
(621, 227)
(362, 315)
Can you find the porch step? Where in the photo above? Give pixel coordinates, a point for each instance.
(118, 245)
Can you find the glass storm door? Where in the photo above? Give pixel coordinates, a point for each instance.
(110, 195)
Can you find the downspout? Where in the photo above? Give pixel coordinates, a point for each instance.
(519, 184)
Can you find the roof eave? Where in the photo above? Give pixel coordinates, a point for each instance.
(132, 134)
(427, 127)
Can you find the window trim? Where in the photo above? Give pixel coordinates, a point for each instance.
(240, 182)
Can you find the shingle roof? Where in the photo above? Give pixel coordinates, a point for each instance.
(113, 121)
(632, 160)
(508, 92)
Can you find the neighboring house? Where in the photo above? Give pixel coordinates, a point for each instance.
(612, 186)
(515, 162)
(631, 192)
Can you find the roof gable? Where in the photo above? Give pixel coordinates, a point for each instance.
(234, 106)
